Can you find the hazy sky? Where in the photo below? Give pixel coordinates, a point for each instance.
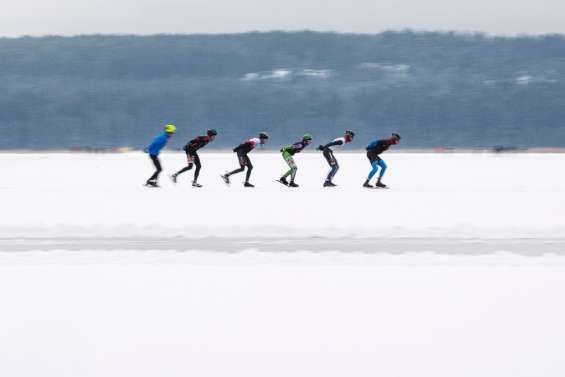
(70, 17)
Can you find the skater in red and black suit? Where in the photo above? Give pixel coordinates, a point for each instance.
(192, 157)
(242, 150)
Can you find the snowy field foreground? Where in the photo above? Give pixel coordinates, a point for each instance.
(458, 270)
(146, 314)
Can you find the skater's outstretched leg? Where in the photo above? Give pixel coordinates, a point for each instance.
(186, 168)
(242, 163)
(236, 171)
(190, 157)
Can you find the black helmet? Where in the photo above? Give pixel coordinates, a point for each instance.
(396, 136)
(212, 132)
(263, 135)
(350, 133)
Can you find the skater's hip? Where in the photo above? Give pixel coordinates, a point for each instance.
(373, 156)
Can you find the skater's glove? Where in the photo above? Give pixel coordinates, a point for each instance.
(320, 147)
(145, 150)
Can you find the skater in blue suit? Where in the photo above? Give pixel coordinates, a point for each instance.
(374, 149)
(154, 149)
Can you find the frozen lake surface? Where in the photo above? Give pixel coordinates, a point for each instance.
(440, 196)
(458, 270)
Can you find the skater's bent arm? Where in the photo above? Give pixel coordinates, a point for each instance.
(331, 144)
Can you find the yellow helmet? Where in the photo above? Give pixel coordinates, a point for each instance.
(170, 128)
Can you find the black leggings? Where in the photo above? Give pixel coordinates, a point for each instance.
(195, 162)
(243, 162)
(158, 168)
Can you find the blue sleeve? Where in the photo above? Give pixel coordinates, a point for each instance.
(157, 144)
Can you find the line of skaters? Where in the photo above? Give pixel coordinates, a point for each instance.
(374, 150)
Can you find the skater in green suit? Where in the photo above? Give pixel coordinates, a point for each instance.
(288, 152)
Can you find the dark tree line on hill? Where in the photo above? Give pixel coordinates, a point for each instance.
(435, 89)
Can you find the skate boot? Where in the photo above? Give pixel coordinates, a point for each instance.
(152, 184)
(367, 184)
(196, 184)
(247, 184)
(283, 181)
(329, 184)
(380, 184)
(226, 178)
(173, 178)
(292, 184)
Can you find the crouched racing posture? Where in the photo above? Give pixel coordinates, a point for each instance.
(288, 152)
(242, 151)
(191, 149)
(329, 155)
(154, 149)
(374, 149)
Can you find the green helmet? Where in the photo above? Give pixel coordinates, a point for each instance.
(307, 137)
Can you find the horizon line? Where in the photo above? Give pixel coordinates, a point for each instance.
(459, 33)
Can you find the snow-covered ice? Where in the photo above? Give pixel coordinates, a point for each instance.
(280, 314)
(461, 196)
(458, 270)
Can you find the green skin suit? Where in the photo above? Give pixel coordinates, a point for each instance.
(291, 164)
(287, 153)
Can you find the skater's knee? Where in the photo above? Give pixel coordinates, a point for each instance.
(382, 164)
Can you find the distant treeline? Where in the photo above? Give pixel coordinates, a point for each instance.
(435, 89)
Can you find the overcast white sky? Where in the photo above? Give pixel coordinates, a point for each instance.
(71, 17)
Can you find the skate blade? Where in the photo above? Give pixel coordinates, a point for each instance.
(223, 180)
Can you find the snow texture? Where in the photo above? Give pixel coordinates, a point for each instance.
(458, 270)
(456, 196)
